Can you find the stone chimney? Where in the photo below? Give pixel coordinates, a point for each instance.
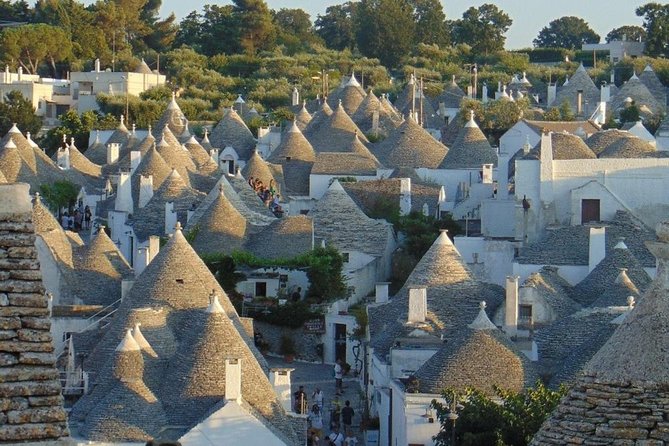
(124, 193)
(135, 159)
(170, 217)
(112, 152)
(511, 305)
(597, 250)
(233, 379)
(381, 295)
(279, 378)
(31, 405)
(417, 305)
(405, 196)
(145, 190)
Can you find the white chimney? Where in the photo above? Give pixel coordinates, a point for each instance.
(279, 378)
(551, 94)
(597, 250)
(123, 200)
(63, 158)
(486, 171)
(511, 306)
(112, 152)
(135, 159)
(233, 379)
(154, 247)
(126, 286)
(381, 295)
(484, 94)
(170, 218)
(213, 154)
(417, 304)
(145, 190)
(579, 103)
(97, 65)
(296, 97)
(405, 196)
(20, 73)
(141, 260)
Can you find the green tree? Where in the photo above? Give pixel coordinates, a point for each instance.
(161, 33)
(337, 26)
(482, 28)
(71, 125)
(88, 39)
(15, 11)
(256, 30)
(431, 25)
(566, 32)
(483, 421)
(385, 30)
(630, 114)
(627, 32)
(59, 195)
(17, 109)
(31, 45)
(294, 29)
(656, 24)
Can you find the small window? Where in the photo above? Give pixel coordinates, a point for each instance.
(525, 315)
(180, 281)
(345, 256)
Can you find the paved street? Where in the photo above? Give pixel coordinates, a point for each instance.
(322, 375)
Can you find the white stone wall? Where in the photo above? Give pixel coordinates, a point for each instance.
(405, 361)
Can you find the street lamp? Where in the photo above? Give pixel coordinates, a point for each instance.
(453, 408)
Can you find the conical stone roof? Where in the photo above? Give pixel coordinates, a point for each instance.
(441, 265)
(221, 229)
(470, 150)
(480, 357)
(600, 141)
(410, 145)
(627, 379)
(451, 96)
(303, 117)
(97, 152)
(602, 278)
(173, 118)
(580, 80)
(629, 146)
(364, 115)
(150, 220)
(294, 146)
(566, 146)
(639, 93)
(318, 119)
(649, 78)
(350, 95)
(232, 131)
(258, 168)
(199, 155)
(79, 162)
(334, 133)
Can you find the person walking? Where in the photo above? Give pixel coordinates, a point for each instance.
(336, 438)
(300, 401)
(315, 422)
(318, 397)
(347, 414)
(338, 374)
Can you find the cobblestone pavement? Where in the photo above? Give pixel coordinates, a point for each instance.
(322, 375)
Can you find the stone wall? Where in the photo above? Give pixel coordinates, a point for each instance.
(305, 343)
(609, 413)
(31, 405)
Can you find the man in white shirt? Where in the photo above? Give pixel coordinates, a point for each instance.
(338, 373)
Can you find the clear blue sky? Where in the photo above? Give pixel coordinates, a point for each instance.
(529, 16)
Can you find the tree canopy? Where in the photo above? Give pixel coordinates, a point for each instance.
(627, 32)
(30, 45)
(482, 28)
(656, 24)
(17, 109)
(566, 32)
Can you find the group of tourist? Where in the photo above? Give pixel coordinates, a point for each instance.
(338, 416)
(268, 194)
(77, 220)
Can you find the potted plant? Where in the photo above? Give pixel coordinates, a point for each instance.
(287, 348)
